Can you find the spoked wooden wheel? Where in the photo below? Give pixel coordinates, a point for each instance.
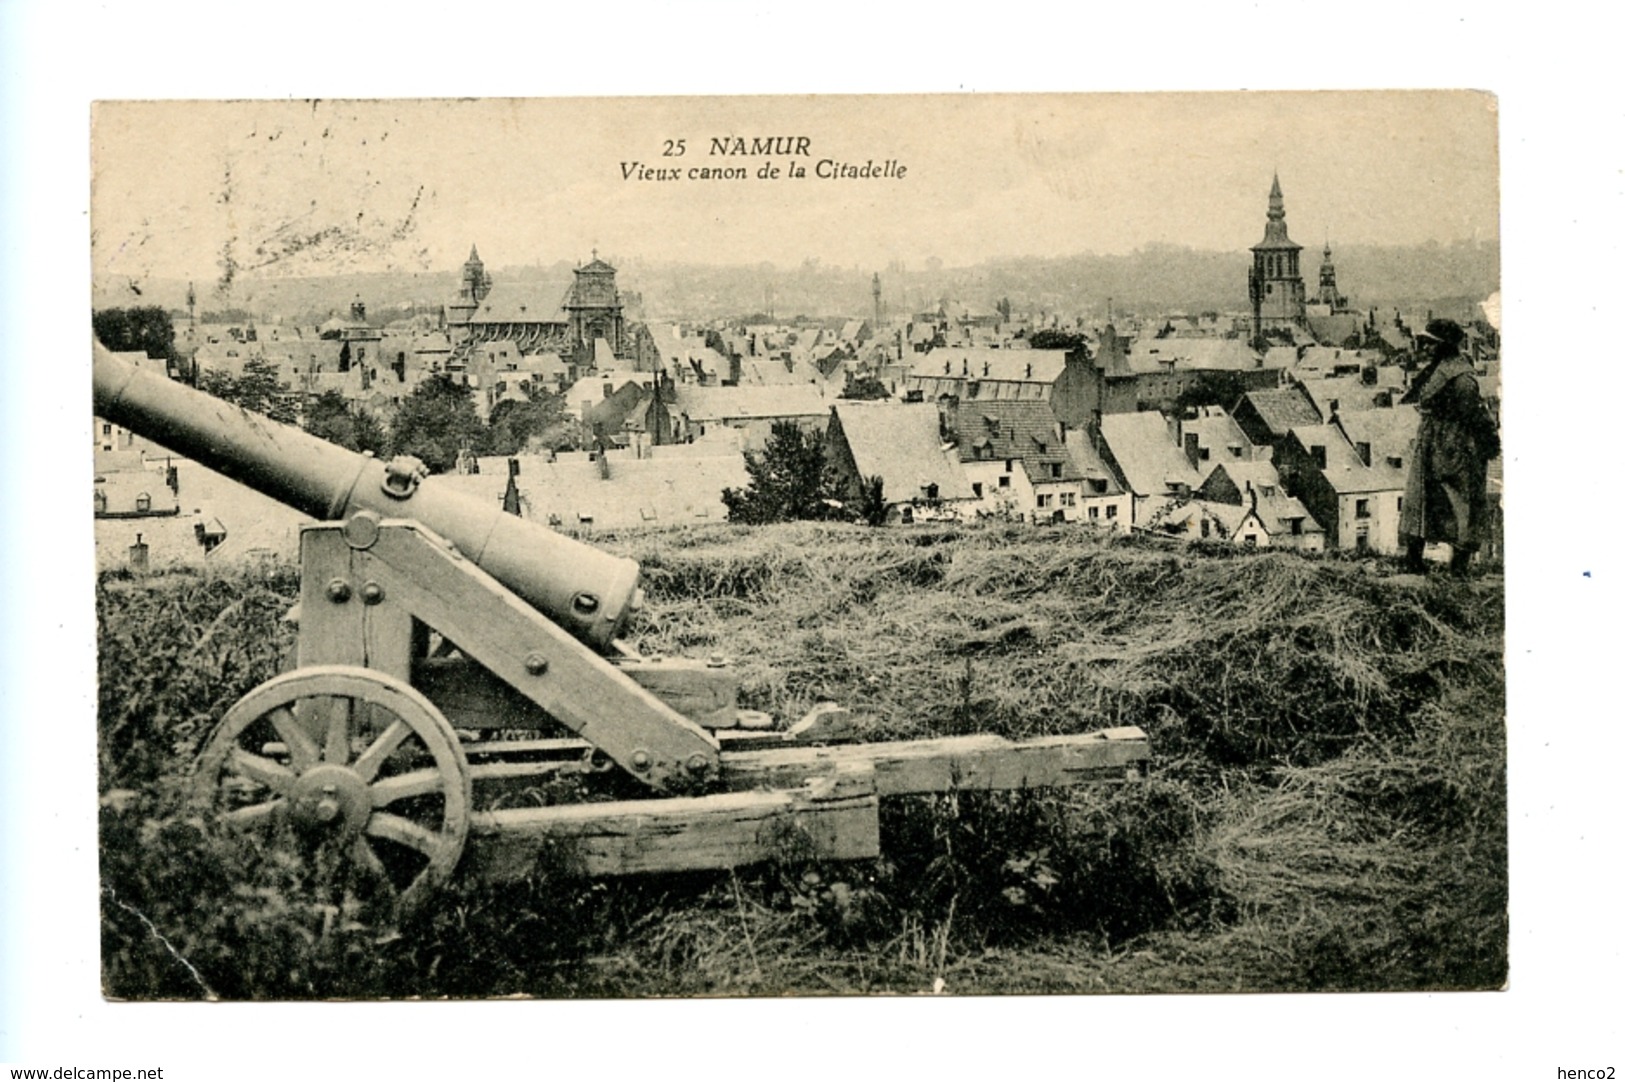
(351, 758)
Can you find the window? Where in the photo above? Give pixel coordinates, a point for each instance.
(976, 487)
(1204, 454)
(1362, 508)
(143, 502)
(1266, 490)
(1045, 499)
(1094, 512)
(1069, 499)
(1251, 541)
(1004, 481)
(107, 430)
(1009, 465)
(1055, 470)
(1297, 527)
(1111, 510)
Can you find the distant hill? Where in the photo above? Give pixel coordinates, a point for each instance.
(1157, 278)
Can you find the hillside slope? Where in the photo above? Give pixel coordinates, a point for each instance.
(1327, 807)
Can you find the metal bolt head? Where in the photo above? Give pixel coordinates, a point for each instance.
(535, 663)
(338, 591)
(697, 763)
(372, 593)
(640, 760)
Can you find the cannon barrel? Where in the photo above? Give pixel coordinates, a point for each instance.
(588, 592)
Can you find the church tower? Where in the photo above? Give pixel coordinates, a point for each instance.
(472, 289)
(1274, 284)
(1329, 296)
(593, 307)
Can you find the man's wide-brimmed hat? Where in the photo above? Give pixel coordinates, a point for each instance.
(1447, 331)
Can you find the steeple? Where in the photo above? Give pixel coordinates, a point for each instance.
(1274, 285)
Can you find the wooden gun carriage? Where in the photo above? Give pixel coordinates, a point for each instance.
(430, 622)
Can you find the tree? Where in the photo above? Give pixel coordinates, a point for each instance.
(435, 421)
(146, 330)
(259, 388)
(337, 421)
(515, 423)
(1218, 388)
(1053, 339)
(864, 388)
(872, 505)
(789, 479)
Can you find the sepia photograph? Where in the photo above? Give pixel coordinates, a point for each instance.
(759, 540)
(819, 545)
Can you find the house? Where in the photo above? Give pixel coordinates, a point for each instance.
(1372, 389)
(901, 443)
(1266, 416)
(1126, 376)
(700, 411)
(1200, 520)
(1209, 435)
(1150, 465)
(1357, 501)
(981, 374)
(1017, 459)
(1256, 485)
(636, 487)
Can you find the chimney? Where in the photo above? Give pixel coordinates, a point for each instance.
(734, 371)
(513, 467)
(138, 554)
(1193, 452)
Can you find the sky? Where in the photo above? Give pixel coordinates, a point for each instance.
(194, 189)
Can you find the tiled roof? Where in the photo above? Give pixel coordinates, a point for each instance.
(1344, 471)
(982, 363)
(1018, 430)
(522, 302)
(1146, 453)
(750, 403)
(1193, 355)
(901, 443)
(659, 490)
(1283, 409)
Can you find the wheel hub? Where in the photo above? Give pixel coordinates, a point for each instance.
(331, 797)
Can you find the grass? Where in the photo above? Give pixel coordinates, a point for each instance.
(1327, 809)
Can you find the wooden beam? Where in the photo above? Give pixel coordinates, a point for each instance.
(833, 818)
(472, 698)
(951, 763)
(538, 658)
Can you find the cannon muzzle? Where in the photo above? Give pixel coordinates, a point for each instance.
(588, 592)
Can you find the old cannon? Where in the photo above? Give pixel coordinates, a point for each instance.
(444, 649)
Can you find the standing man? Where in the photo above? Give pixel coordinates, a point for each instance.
(1447, 494)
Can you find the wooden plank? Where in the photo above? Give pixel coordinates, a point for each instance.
(581, 690)
(950, 763)
(834, 818)
(329, 630)
(705, 694)
(471, 698)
